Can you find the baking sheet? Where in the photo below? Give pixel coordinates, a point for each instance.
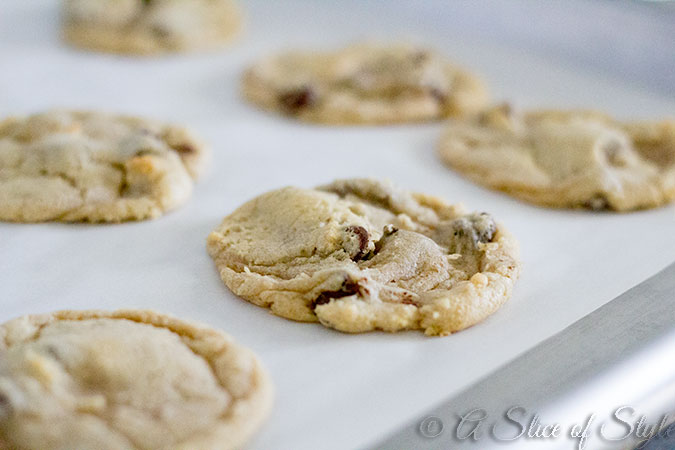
(334, 391)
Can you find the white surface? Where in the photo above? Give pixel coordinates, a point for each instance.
(335, 391)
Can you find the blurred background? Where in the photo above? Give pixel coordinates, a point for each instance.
(618, 56)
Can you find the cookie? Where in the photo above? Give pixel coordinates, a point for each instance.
(361, 254)
(364, 84)
(95, 380)
(149, 26)
(566, 159)
(84, 166)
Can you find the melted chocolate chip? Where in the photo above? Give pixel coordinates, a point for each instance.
(485, 227)
(363, 236)
(297, 99)
(349, 287)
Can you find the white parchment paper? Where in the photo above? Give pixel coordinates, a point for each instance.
(334, 391)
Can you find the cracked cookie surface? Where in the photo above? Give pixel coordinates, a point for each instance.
(150, 26)
(83, 166)
(567, 159)
(126, 380)
(365, 83)
(361, 254)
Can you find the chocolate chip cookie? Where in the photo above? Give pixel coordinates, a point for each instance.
(364, 84)
(566, 159)
(126, 380)
(84, 166)
(361, 254)
(149, 26)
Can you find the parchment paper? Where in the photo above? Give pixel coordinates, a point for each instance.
(335, 391)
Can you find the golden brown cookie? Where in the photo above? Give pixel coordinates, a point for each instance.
(150, 26)
(566, 159)
(364, 84)
(126, 380)
(76, 166)
(360, 255)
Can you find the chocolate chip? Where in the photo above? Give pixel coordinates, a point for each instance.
(468, 232)
(124, 186)
(439, 95)
(184, 149)
(297, 99)
(420, 57)
(408, 300)
(363, 237)
(349, 287)
(4, 404)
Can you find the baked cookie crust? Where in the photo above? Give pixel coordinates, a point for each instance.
(127, 379)
(146, 27)
(566, 159)
(360, 255)
(364, 84)
(75, 166)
